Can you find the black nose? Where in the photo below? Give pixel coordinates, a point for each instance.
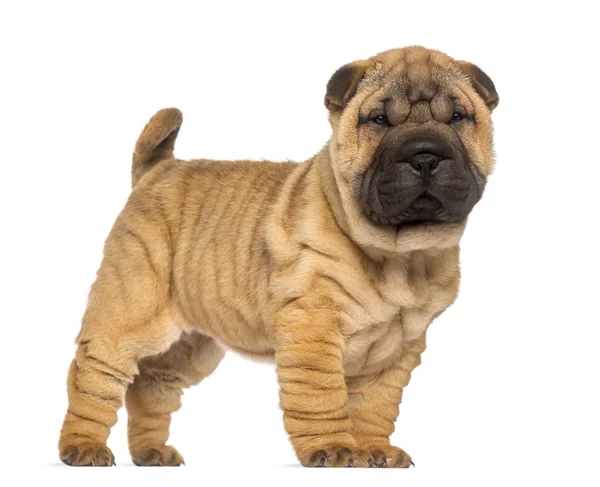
(425, 162)
(423, 153)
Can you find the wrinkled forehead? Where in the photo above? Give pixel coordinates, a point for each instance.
(418, 82)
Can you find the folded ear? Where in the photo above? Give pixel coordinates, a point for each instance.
(482, 84)
(343, 84)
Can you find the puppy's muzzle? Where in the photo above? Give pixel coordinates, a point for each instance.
(418, 176)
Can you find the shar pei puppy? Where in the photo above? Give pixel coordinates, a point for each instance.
(333, 268)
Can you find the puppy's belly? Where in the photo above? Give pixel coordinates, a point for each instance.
(244, 337)
(266, 356)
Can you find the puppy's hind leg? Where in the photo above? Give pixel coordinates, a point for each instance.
(156, 393)
(128, 317)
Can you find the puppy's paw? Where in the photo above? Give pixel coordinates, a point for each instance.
(391, 457)
(158, 456)
(87, 455)
(338, 456)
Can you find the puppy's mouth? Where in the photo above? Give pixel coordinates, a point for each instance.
(425, 203)
(426, 208)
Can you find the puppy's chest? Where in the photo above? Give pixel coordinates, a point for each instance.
(396, 308)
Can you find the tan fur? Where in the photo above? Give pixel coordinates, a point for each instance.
(276, 261)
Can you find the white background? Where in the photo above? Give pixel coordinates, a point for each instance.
(508, 389)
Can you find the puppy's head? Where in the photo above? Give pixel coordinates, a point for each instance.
(411, 147)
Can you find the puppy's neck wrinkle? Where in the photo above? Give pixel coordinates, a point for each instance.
(329, 187)
(327, 182)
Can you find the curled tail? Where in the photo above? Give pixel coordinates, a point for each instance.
(156, 142)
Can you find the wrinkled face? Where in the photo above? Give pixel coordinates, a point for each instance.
(412, 145)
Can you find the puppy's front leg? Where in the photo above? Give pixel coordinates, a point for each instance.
(313, 393)
(374, 403)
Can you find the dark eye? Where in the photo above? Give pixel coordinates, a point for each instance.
(380, 120)
(457, 117)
